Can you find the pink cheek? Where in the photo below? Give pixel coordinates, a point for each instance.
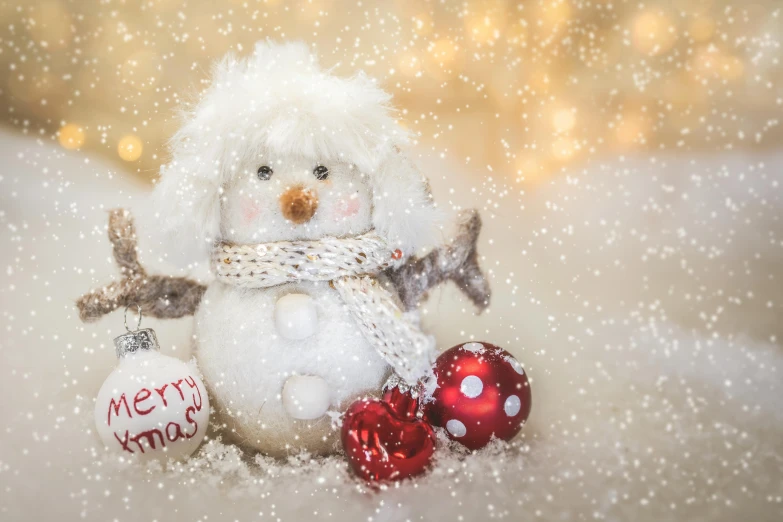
(250, 209)
(348, 207)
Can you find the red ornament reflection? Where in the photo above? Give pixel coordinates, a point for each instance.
(384, 440)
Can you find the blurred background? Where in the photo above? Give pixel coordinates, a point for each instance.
(626, 159)
(521, 88)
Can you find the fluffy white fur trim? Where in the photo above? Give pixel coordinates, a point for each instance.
(277, 103)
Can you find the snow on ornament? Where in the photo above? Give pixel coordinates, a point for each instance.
(482, 392)
(152, 406)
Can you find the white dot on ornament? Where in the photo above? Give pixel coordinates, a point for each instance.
(471, 387)
(512, 405)
(515, 364)
(473, 347)
(456, 428)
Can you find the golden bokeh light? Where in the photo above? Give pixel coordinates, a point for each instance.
(444, 51)
(484, 28)
(530, 167)
(540, 80)
(633, 128)
(710, 61)
(130, 148)
(563, 120)
(71, 136)
(553, 14)
(653, 32)
(701, 29)
(478, 78)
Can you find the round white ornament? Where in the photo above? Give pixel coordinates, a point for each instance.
(296, 317)
(152, 405)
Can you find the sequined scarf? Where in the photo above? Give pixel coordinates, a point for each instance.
(351, 266)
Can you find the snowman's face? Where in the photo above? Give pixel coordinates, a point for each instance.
(285, 198)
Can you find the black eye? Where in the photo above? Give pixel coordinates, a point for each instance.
(321, 172)
(264, 172)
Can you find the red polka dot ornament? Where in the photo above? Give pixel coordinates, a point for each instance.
(482, 392)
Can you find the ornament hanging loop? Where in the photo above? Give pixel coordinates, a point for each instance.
(138, 323)
(135, 340)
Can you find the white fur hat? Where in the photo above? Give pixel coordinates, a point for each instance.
(279, 100)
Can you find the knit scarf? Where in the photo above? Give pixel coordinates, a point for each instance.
(350, 265)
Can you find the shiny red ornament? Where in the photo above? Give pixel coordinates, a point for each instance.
(384, 439)
(482, 391)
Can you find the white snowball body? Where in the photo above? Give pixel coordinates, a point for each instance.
(296, 317)
(306, 397)
(152, 406)
(246, 363)
(330, 140)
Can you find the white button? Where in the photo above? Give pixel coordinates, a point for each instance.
(306, 397)
(296, 317)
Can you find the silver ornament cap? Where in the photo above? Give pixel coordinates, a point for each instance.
(140, 339)
(395, 381)
(137, 341)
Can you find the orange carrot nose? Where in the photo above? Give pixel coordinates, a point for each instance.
(298, 204)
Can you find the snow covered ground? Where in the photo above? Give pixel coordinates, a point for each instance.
(642, 295)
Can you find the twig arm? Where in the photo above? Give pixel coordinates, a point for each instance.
(457, 261)
(159, 296)
(122, 234)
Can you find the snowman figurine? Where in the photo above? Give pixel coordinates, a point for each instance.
(299, 182)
